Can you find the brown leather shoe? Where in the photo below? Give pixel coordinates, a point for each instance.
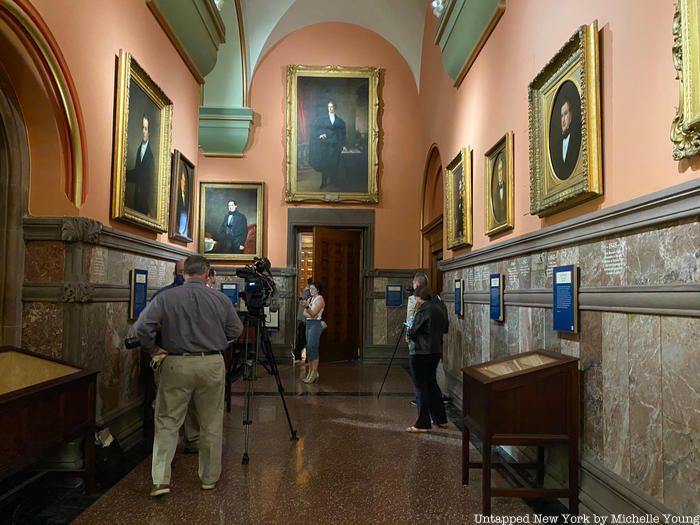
(160, 490)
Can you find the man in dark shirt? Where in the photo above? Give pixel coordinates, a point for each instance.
(197, 324)
(327, 143)
(233, 230)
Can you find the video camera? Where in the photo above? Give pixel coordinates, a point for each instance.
(260, 289)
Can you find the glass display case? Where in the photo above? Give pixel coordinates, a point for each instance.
(44, 403)
(524, 399)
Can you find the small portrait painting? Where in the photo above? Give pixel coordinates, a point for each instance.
(564, 126)
(332, 134)
(498, 186)
(142, 138)
(565, 130)
(458, 191)
(181, 198)
(231, 216)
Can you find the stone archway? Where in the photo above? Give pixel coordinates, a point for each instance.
(14, 188)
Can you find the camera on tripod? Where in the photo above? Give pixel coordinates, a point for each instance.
(259, 290)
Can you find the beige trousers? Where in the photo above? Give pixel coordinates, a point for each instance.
(199, 379)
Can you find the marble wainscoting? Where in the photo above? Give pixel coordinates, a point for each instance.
(638, 347)
(75, 305)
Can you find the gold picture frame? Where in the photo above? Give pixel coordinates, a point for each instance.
(564, 127)
(338, 160)
(685, 129)
(181, 199)
(221, 237)
(142, 140)
(499, 184)
(458, 193)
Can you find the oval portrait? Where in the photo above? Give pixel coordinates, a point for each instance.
(499, 189)
(565, 130)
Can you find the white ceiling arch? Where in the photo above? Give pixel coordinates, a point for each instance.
(400, 22)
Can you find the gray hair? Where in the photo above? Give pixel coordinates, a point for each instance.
(421, 279)
(196, 265)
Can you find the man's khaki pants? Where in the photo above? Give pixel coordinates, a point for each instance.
(184, 378)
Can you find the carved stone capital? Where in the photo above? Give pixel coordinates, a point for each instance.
(77, 229)
(76, 292)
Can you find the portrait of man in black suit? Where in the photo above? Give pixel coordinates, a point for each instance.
(233, 231)
(498, 190)
(140, 179)
(565, 130)
(183, 202)
(328, 136)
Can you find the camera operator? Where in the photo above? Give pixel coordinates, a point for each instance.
(196, 324)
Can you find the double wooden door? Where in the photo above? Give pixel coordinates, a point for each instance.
(336, 264)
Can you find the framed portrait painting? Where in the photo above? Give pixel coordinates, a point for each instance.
(142, 138)
(564, 124)
(499, 186)
(181, 198)
(458, 191)
(332, 134)
(231, 220)
(685, 129)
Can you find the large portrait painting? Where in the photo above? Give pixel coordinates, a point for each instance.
(498, 186)
(332, 134)
(231, 220)
(685, 129)
(564, 112)
(181, 198)
(142, 137)
(458, 191)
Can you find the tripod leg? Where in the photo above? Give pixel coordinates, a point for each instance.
(270, 356)
(396, 347)
(249, 377)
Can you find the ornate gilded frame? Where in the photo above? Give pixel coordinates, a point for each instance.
(180, 160)
(685, 129)
(229, 188)
(292, 191)
(459, 167)
(130, 71)
(491, 223)
(576, 62)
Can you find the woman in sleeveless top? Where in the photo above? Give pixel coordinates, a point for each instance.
(313, 312)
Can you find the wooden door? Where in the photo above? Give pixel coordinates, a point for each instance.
(336, 264)
(432, 235)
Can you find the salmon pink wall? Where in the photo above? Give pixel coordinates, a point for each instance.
(401, 162)
(639, 95)
(90, 34)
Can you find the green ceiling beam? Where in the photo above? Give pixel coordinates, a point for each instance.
(224, 132)
(462, 31)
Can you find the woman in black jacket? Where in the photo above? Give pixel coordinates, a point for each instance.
(429, 325)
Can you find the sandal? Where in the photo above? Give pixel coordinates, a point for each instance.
(415, 430)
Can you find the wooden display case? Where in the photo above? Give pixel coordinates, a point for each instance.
(44, 403)
(524, 399)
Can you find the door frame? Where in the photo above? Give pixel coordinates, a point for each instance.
(299, 219)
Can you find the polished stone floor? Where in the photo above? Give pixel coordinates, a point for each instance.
(353, 462)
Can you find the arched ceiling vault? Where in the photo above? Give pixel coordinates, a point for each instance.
(400, 22)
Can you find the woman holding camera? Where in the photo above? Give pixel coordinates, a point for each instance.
(314, 326)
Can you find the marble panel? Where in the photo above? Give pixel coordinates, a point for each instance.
(526, 330)
(42, 329)
(538, 270)
(95, 263)
(679, 249)
(646, 436)
(614, 259)
(380, 284)
(44, 261)
(644, 261)
(537, 323)
(498, 340)
(591, 359)
(591, 264)
(394, 323)
(470, 355)
(512, 326)
(680, 348)
(569, 255)
(615, 367)
(379, 321)
(552, 342)
(570, 345)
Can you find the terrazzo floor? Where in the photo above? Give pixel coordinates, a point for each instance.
(353, 462)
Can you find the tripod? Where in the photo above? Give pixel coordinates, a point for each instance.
(251, 357)
(396, 347)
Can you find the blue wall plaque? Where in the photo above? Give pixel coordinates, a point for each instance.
(230, 290)
(496, 296)
(138, 292)
(565, 300)
(394, 295)
(458, 297)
